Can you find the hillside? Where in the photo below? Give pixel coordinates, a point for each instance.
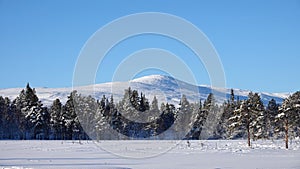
(165, 88)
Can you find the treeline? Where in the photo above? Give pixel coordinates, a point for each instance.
(26, 118)
(252, 120)
(135, 117)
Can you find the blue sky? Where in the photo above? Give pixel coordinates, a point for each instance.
(258, 42)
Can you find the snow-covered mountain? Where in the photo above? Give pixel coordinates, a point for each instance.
(165, 88)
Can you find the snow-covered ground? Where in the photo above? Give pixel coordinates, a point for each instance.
(149, 154)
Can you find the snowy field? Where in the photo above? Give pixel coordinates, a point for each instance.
(149, 154)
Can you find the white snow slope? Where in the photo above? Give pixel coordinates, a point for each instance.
(165, 88)
(133, 154)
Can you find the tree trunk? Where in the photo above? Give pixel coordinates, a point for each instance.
(286, 128)
(248, 132)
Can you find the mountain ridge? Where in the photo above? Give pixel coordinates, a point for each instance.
(165, 88)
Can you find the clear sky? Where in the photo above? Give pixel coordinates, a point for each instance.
(258, 41)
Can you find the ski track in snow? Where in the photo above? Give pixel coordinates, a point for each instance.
(215, 154)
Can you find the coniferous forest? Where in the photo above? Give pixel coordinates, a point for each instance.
(84, 117)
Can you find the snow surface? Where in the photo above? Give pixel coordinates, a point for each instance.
(137, 154)
(165, 88)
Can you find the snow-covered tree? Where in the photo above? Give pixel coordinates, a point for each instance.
(38, 119)
(271, 112)
(32, 117)
(240, 121)
(183, 119)
(166, 120)
(86, 108)
(227, 109)
(199, 118)
(249, 117)
(56, 121)
(154, 105)
(257, 110)
(6, 119)
(213, 116)
(288, 117)
(101, 125)
(69, 116)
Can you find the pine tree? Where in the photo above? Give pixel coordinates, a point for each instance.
(232, 97)
(56, 121)
(105, 116)
(166, 119)
(134, 99)
(101, 126)
(41, 123)
(271, 112)
(288, 118)
(69, 116)
(213, 116)
(249, 117)
(259, 118)
(86, 108)
(199, 118)
(154, 105)
(240, 121)
(154, 110)
(111, 103)
(143, 103)
(6, 119)
(222, 127)
(228, 109)
(32, 117)
(184, 115)
(154, 113)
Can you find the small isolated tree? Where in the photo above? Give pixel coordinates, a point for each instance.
(288, 118)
